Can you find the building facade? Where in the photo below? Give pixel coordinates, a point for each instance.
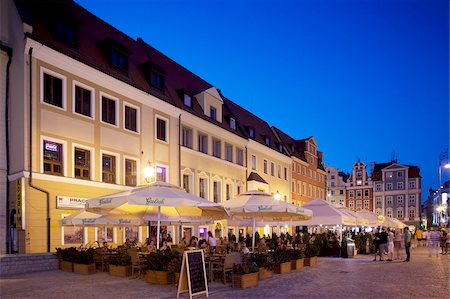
(90, 108)
(359, 193)
(397, 191)
(435, 209)
(336, 186)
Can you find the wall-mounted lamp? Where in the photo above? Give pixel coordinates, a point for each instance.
(149, 172)
(277, 196)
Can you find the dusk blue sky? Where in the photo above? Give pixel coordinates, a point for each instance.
(365, 78)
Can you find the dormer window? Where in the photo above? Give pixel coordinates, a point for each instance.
(251, 132)
(119, 59)
(232, 123)
(157, 79)
(66, 31)
(267, 140)
(213, 113)
(187, 100)
(280, 148)
(293, 148)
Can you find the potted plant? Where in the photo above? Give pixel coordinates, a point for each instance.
(174, 269)
(158, 267)
(265, 265)
(65, 258)
(281, 260)
(122, 265)
(245, 276)
(311, 255)
(296, 257)
(83, 261)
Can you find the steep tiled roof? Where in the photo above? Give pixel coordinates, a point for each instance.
(377, 175)
(290, 142)
(256, 177)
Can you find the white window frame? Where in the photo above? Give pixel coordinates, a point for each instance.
(400, 185)
(378, 187)
(389, 186)
(219, 182)
(85, 232)
(228, 145)
(156, 128)
(214, 141)
(138, 168)
(64, 88)
(272, 168)
(138, 117)
(117, 101)
(190, 174)
(366, 204)
(389, 211)
(266, 166)
(118, 164)
(389, 200)
(190, 100)
(254, 162)
(232, 123)
(104, 228)
(411, 208)
(64, 153)
(92, 90)
(412, 183)
(413, 197)
(400, 199)
(378, 200)
(92, 158)
(403, 213)
(184, 129)
(204, 176)
(351, 194)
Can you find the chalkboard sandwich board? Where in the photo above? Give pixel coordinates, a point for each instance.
(193, 274)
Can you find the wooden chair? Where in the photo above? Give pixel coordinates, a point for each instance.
(99, 261)
(226, 266)
(136, 263)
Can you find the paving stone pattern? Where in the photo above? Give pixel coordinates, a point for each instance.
(359, 277)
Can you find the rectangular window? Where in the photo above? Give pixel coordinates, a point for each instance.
(272, 169)
(412, 198)
(217, 148)
(187, 100)
(233, 123)
(265, 166)
(203, 143)
(378, 187)
(82, 164)
(119, 59)
(366, 193)
(213, 113)
(341, 192)
(350, 194)
(389, 212)
(105, 234)
(293, 187)
(227, 191)
(279, 171)
(83, 101)
(161, 129)
(157, 79)
(53, 90)
(399, 185)
(131, 118)
(400, 199)
(187, 137)
(253, 162)
(228, 152)
(378, 200)
(304, 170)
(389, 186)
(359, 204)
(358, 193)
(67, 32)
(388, 200)
(238, 190)
(202, 188)
(108, 169)
(161, 174)
(389, 175)
(186, 183)
(53, 161)
(412, 185)
(109, 110)
(366, 204)
(217, 192)
(351, 204)
(239, 156)
(267, 140)
(400, 213)
(130, 172)
(400, 174)
(251, 132)
(412, 214)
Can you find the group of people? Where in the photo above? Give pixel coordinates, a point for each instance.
(386, 241)
(434, 239)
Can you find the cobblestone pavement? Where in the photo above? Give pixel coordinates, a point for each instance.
(359, 277)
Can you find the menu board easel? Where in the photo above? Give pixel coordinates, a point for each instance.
(193, 274)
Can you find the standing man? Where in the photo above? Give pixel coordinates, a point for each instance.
(383, 243)
(407, 236)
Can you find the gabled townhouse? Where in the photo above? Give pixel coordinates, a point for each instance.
(307, 169)
(359, 193)
(336, 186)
(397, 191)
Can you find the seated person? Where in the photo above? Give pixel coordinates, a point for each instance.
(151, 247)
(128, 243)
(262, 247)
(105, 247)
(194, 242)
(244, 249)
(165, 247)
(169, 239)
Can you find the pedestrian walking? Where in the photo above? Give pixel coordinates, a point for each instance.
(376, 245)
(425, 237)
(433, 242)
(383, 243)
(407, 238)
(398, 239)
(390, 245)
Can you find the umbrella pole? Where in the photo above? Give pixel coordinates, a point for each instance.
(254, 228)
(159, 227)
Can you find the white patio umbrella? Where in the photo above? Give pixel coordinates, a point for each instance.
(159, 202)
(326, 214)
(360, 220)
(86, 218)
(371, 217)
(261, 206)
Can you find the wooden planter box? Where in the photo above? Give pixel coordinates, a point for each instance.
(159, 277)
(282, 268)
(311, 261)
(264, 273)
(121, 271)
(244, 281)
(297, 264)
(84, 269)
(66, 266)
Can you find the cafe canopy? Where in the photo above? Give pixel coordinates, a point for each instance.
(326, 214)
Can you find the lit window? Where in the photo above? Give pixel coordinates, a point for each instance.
(53, 161)
(389, 175)
(82, 164)
(161, 174)
(227, 191)
(108, 169)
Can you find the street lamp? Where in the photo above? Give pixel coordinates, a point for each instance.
(277, 196)
(149, 172)
(440, 209)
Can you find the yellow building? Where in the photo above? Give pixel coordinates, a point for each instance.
(90, 108)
